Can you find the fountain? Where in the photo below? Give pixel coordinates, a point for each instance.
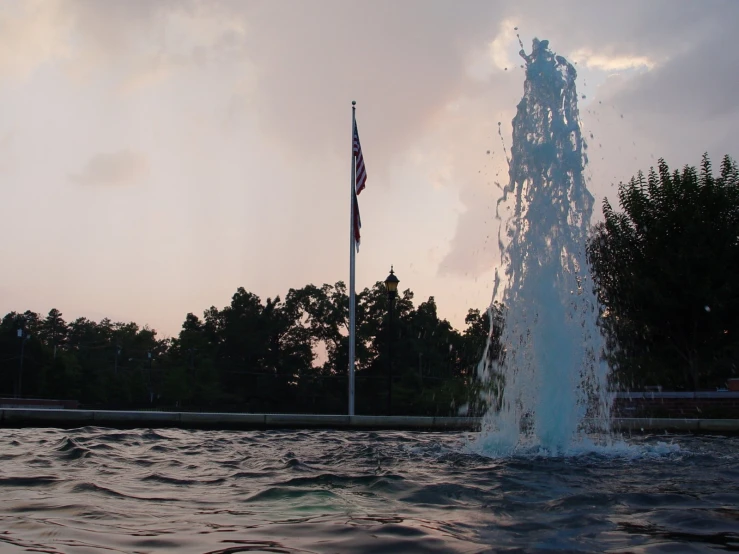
(548, 390)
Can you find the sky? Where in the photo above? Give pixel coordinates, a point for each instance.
(157, 155)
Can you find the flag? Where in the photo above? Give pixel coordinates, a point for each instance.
(360, 179)
(357, 221)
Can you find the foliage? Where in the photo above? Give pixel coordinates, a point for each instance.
(275, 355)
(665, 271)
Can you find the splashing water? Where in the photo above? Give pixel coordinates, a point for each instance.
(548, 390)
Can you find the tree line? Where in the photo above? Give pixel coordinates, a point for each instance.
(664, 270)
(278, 355)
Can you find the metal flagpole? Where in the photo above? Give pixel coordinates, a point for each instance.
(352, 251)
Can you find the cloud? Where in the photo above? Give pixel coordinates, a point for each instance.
(499, 48)
(610, 63)
(33, 31)
(138, 42)
(121, 168)
(252, 98)
(402, 62)
(673, 70)
(698, 83)
(6, 146)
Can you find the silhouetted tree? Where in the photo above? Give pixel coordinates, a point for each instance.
(665, 270)
(253, 355)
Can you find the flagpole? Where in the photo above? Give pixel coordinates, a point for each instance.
(352, 252)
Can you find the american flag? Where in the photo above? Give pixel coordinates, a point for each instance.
(357, 221)
(359, 160)
(359, 183)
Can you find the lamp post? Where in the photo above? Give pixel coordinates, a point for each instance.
(146, 364)
(24, 337)
(117, 354)
(391, 286)
(151, 388)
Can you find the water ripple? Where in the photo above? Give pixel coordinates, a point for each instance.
(96, 489)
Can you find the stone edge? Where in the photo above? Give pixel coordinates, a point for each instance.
(113, 418)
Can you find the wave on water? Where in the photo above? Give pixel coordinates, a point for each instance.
(331, 491)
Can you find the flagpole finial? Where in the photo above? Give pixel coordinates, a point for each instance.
(354, 102)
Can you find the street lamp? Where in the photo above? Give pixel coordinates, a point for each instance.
(24, 337)
(391, 282)
(151, 388)
(391, 286)
(117, 355)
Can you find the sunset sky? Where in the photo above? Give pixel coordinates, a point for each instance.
(156, 155)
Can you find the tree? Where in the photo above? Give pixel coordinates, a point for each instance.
(276, 355)
(53, 331)
(483, 334)
(191, 378)
(665, 273)
(324, 313)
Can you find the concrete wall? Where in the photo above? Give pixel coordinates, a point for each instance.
(111, 418)
(713, 404)
(17, 417)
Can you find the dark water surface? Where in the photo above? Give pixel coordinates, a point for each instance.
(103, 490)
